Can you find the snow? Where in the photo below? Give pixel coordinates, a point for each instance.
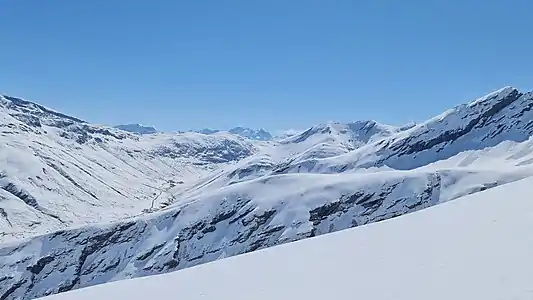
(249, 133)
(227, 221)
(79, 173)
(137, 128)
(133, 174)
(477, 247)
(84, 204)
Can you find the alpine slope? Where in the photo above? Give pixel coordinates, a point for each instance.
(478, 247)
(84, 204)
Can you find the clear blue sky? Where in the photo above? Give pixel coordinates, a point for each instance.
(274, 64)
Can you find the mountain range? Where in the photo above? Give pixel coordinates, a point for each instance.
(252, 134)
(84, 204)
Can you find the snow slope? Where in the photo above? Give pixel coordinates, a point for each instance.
(232, 220)
(58, 171)
(505, 115)
(191, 198)
(478, 247)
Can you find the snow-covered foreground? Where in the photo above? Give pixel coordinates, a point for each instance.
(477, 247)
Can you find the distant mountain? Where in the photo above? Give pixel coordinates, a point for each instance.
(137, 128)
(352, 134)
(253, 134)
(283, 134)
(208, 131)
(249, 133)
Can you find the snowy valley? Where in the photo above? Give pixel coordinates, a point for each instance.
(84, 204)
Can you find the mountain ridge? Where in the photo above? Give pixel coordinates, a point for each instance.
(203, 197)
(137, 128)
(438, 248)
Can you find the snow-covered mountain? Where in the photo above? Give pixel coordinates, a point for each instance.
(502, 117)
(182, 199)
(249, 133)
(351, 135)
(58, 171)
(478, 247)
(208, 131)
(283, 134)
(253, 134)
(137, 128)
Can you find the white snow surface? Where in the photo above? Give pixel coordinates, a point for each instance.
(477, 247)
(57, 171)
(163, 202)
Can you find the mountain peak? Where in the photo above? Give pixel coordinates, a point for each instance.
(249, 133)
(356, 132)
(253, 134)
(136, 128)
(497, 94)
(20, 105)
(208, 131)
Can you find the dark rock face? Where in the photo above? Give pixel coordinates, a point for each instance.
(28, 119)
(83, 133)
(453, 134)
(40, 264)
(225, 150)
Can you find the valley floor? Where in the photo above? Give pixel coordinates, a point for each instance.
(476, 247)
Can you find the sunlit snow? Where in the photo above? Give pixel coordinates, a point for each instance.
(477, 247)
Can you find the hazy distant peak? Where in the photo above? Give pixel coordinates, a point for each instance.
(137, 128)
